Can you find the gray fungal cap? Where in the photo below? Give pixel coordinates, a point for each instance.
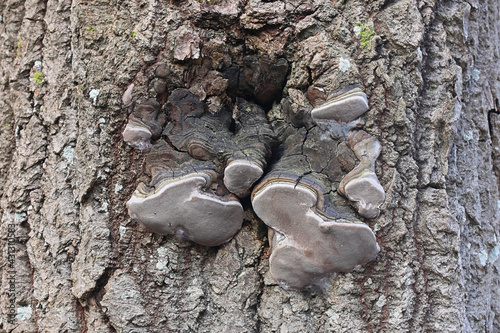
(307, 246)
(137, 135)
(361, 186)
(127, 95)
(343, 106)
(366, 193)
(240, 175)
(181, 206)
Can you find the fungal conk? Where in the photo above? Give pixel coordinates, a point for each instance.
(180, 200)
(207, 148)
(314, 233)
(307, 245)
(361, 185)
(344, 105)
(144, 124)
(197, 167)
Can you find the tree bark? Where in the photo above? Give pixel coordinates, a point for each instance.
(74, 261)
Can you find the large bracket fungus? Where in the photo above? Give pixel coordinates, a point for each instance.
(307, 245)
(313, 231)
(182, 198)
(196, 167)
(315, 234)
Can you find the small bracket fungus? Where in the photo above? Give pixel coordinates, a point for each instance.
(144, 124)
(127, 95)
(361, 185)
(160, 84)
(240, 175)
(343, 105)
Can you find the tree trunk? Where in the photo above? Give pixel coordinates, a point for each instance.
(74, 261)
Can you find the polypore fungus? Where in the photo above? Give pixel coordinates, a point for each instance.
(144, 124)
(207, 136)
(160, 85)
(344, 105)
(361, 185)
(307, 245)
(254, 139)
(199, 167)
(316, 234)
(146, 121)
(183, 198)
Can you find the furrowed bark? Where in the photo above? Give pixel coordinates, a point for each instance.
(79, 263)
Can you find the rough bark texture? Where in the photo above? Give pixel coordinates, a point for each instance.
(78, 263)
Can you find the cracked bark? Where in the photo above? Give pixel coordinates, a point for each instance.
(431, 73)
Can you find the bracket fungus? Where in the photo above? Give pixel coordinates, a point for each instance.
(207, 148)
(160, 84)
(315, 234)
(206, 136)
(145, 123)
(181, 199)
(307, 245)
(313, 231)
(344, 105)
(361, 185)
(196, 166)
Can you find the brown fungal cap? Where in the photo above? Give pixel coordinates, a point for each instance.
(203, 135)
(181, 206)
(316, 96)
(160, 86)
(343, 105)
(162, 71)
(307, 245)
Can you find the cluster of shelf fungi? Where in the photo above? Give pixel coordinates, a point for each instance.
(199, 164)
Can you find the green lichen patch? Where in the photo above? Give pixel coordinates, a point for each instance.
(19, 45)
(364, 34)
(38, 78)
